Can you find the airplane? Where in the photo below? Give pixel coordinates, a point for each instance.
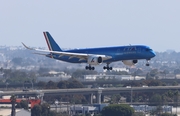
(129, 55)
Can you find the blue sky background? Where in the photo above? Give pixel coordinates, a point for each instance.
(91, 23)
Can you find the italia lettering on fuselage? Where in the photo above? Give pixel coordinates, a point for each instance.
(130, 50)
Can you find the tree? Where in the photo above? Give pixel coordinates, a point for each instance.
(36, 110)
(45, 109)
(41, 84)
(1, 69)
(13, 101)
(155, 83)
(138, 114)
(117, 109)
(115, 98)
(156, 99)
(62, 84)
(23, 104)
(165, 72)
(80, 73)
(43, 70)
(153, 72)
(17, 61)
(176, 95)
(53, 113)
(176, 71)
(71, 83)
(51, 85)
(174, 83)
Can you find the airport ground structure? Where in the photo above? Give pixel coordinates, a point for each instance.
(98, 94)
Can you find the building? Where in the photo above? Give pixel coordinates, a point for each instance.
(146, 108)
(54, 76)
(82, 109)
(117, 77)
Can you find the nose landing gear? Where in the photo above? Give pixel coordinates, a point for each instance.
(147, 63)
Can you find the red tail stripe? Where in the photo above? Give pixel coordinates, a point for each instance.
(47, 41)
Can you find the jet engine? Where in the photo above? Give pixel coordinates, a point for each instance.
(130, 62)
(94, 60)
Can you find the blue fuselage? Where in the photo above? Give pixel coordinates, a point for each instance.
(118, 53)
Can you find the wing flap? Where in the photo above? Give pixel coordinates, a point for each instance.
(81, 56)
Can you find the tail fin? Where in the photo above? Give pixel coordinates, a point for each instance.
(52, 45)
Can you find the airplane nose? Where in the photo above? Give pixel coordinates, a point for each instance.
(153, 53)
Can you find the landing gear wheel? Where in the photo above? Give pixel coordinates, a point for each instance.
(147, 64)
(89, 68)
(107, 67)
(92, 68)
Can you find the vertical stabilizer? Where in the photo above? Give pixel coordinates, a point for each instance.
(52, 45)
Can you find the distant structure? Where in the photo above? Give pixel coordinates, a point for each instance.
(117, 77)
(84, 109)
(54, 76)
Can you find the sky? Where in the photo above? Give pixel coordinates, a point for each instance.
(91, 23)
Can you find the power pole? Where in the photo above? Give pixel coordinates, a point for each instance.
(13, 101)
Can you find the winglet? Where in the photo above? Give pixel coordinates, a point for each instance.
(27, 47)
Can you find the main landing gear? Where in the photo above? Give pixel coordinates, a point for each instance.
(89, 67)
(92, 68)
(107, 67)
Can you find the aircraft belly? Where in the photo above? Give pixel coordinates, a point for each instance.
(118, 57)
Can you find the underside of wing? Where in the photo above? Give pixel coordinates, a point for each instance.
(81, 56)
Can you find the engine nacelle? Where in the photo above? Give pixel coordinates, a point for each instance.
(130, 62)
(94, 60)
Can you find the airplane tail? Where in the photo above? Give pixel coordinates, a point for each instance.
(52, 45)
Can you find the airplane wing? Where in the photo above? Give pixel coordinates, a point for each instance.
(81, 56)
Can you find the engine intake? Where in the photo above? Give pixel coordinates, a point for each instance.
(99, 60)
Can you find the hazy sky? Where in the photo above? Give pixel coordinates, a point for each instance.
(91, 23)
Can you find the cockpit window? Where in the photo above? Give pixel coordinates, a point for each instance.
(148, 49)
